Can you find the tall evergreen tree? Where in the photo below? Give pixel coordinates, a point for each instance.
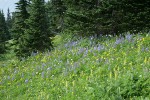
(19, 26)
(108, 16)
(38, 32)
(9, 22)
(80, 16)
(3, 33)
(56, 11)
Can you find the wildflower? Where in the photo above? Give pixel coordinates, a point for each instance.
(22, 75)
(91, 43)
(128, 37)
(36, 72)
(33, 74)
(81, 50)
(13, 78)
(26, 81)
(34, 53)
(143, 49)
(49, 68)
(86, 52)
(1, 83)
(15, 72)
(8, 77)
(43, 65)
(118, 41)
(95, 48)
(92, 37)
(146, 49)
(73, 43)
(100, 47)
(140, 75)
(42, 74)
(66, 45)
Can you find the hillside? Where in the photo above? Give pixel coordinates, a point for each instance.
(109, 68)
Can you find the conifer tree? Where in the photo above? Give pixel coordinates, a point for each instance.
(9, 22)
(19, 26)
(108, 16)
(3, 33)
(56, 11)
(38, 32)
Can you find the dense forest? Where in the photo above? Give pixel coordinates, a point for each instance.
(34, 22)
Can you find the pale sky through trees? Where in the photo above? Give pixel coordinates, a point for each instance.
(5, 4)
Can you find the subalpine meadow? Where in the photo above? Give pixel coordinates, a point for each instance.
(81, 68)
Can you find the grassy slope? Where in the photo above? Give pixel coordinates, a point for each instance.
(82, 69)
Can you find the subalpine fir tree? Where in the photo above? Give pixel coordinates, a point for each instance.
(9, 22)
(3, 33)
(108, 16)
(80, 16)
(56, 10)
(38, 31)
(18, 29)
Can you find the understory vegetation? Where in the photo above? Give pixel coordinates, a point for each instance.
(81, 68)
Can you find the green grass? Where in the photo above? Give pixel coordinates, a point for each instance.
(109, 68)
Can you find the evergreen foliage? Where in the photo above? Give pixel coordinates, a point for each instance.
(3, 33)
(34, 22)
(79, 15)
(38, 32)
(136, 14)
(108, 16)
(9, 22)
(56, 10)
(19, 27)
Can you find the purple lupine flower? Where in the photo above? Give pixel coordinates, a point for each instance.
(91, 43)
(43, 74)
(92, 37)
(33, 74)
(95, 48)
(74, 43)
(49, 68)
(1, 83)
(8, 77)
(143, 49)
(74, 67)
(65, 72)
(100, 47)
(118, 41)
(34, 53)
(66, 45)
(128, 37)
(146, 49)
(86, 52)
(81, 50)
(15, 71)
(22, 75)
(38, 68)
(26, 81)
(13, 78)
(43, 65)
